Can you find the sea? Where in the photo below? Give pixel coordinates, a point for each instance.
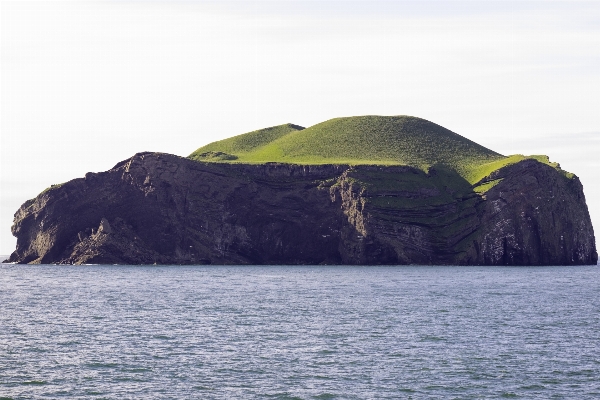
(299, 332)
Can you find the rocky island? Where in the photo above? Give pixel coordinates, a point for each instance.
(360, 190)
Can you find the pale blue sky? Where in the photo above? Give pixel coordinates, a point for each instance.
(87, 84)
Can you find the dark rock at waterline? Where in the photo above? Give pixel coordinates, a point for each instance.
(163, 209)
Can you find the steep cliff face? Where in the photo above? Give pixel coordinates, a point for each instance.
(159, 208)
(534, 216)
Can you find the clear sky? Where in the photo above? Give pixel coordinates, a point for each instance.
(87, 84)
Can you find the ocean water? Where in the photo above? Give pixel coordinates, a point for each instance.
(280, 332)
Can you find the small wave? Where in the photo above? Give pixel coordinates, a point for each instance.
(324, 396)
(34, 382)
(96, 365)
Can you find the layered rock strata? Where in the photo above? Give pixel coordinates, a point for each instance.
(163, 209)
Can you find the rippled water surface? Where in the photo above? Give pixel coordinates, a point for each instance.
(299, 332)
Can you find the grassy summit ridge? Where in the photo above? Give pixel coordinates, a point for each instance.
(247, 142)
(375, 140)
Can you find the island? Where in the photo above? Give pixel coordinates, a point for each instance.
(369, 190)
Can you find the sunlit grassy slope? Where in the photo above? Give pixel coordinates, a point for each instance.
(396, 140)
(247, 142)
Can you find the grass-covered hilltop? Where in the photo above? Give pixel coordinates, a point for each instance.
(374, 140)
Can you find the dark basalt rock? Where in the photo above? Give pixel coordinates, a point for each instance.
(164, 209)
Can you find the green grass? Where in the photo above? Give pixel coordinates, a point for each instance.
(477, 172)
(374, 140)
(244, 143)
(400, 140)
(484, 187)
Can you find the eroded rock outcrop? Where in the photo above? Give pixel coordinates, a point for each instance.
(164, 209)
